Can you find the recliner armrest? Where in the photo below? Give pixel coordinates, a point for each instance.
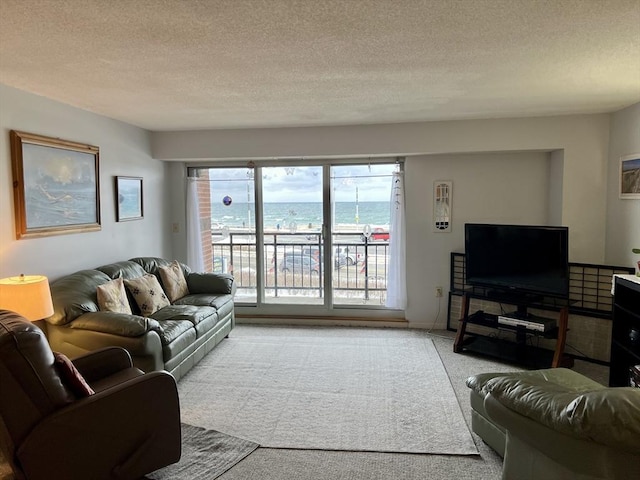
(101, 363)
(121, 324)
(134, 426)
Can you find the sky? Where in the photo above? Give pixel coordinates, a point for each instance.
(304, 184)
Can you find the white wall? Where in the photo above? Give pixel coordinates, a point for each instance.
(583, 139)
(623, 216)
(570, 189)
(510, 188)
(545, 170)
(124, 150)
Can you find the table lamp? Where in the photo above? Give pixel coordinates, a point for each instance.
(28, 295)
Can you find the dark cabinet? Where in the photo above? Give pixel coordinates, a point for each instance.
(625, 334)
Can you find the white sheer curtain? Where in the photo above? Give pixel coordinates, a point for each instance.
(396, 276)
(195, 257)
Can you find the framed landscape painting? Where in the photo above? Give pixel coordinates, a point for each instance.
(129, 199)
(630, 176)
(56, 185)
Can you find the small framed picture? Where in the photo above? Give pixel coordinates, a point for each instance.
(630, 176)
(129, 200)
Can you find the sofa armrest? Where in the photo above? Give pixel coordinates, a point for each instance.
(211, 283)
(121, 324)
(102, 363)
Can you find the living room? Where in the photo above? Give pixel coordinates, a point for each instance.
(571, 164)
(532, 163)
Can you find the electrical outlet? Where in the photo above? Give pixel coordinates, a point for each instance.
(438, 291)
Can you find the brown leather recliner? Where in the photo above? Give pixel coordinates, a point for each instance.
(129, 427)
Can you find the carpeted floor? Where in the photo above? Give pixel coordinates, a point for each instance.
(328, 389)
(283, 464)
(290, 464)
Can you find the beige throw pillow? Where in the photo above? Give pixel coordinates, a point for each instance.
(175, 285)
(112, 297)
(148, 294)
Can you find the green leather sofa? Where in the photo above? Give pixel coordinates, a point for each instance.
(557, 424)
(174, 338)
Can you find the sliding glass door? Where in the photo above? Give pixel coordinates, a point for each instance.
(303, 235)
(292, 209)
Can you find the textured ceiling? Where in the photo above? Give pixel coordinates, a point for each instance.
(195, 64)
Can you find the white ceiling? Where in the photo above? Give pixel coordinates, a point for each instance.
(199, 64)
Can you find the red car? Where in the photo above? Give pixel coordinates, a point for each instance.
(376, 234)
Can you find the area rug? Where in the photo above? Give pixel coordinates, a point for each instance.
(382, 390)
(206, 454)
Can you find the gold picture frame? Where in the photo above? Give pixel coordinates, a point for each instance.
(56, 185)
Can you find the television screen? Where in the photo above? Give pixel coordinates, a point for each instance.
(523, 259)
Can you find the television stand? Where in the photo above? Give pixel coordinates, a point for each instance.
(519, 351)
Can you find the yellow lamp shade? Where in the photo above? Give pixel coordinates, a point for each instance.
(28, 295)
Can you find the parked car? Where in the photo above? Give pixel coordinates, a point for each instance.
(350, 254)
(376, 234)
(339, 260)
(299, 263)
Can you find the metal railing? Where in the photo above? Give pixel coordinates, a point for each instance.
(294, 264)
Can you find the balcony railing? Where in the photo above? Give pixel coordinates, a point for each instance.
(294, 266)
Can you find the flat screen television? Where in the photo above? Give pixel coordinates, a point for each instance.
(525, 260)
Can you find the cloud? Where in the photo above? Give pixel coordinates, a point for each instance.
(304, 184)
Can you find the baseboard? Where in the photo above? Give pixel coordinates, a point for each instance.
(321, 321)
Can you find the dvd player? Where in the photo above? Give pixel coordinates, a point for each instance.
(539, 324)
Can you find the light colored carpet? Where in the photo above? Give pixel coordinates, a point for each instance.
(328, 389)
(206, 454)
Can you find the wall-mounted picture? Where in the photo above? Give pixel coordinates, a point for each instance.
(56, 185)
(630, 176)
(129, 198)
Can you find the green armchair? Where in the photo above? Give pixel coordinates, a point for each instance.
(558, 424)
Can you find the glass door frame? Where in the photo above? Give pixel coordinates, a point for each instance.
(327, 308)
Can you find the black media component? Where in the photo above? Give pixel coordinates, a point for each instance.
(518, 260)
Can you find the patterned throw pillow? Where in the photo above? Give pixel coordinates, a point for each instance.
(112, 297)
(173, 281)
(148, 294)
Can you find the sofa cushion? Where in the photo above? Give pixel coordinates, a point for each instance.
(191, 313)
(112, 297)
(74, 295)
(152, 264)
(148, 294)
(173, 281)
(170, 330)
(180, 347)
(124, 270)
(222, 303)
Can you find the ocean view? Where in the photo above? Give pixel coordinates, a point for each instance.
(302, 213)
